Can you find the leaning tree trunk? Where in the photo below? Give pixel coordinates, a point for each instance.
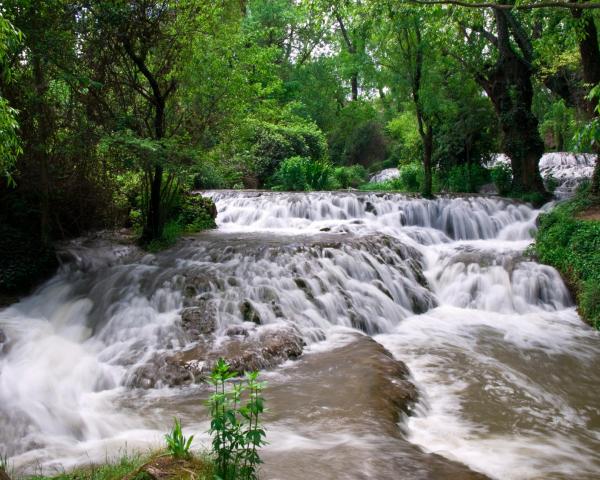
(510, 89)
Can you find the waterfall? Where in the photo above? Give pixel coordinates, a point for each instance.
(504, 367)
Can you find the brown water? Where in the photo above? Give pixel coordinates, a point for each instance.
(505, 372)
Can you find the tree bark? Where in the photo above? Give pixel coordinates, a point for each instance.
(40, 147)
(509, 86)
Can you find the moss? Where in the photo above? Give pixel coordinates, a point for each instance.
(572, 246)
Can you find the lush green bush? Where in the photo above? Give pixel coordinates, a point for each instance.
(235, 426)
(358, 136)
(349, 177)
(303, 174)
(572, 246)
(193, 213)
(411, 177)
(270, 144)
(501, 175)
(466, 178)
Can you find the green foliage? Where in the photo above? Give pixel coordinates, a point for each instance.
(270, 144)
(235, 426)
(572, 246)
(411, 177)
(558, 126)
(349, 177)
(466, 178)
(304, 174)
(358, 136)
(177, 444)
(192, 213)
(501, 175)
(403, 130)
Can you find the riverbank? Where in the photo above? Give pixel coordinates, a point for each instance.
(569, 240)
(136, 466)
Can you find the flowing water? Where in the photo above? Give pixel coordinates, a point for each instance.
(506, 372)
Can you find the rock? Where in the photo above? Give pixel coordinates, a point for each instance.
(2, 337)
(200, 320)
(249, 313)
(253, 351)
(236, 330)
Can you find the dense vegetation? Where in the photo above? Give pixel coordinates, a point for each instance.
(110, 112)
(569, 240)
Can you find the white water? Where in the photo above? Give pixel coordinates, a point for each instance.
(506, 370)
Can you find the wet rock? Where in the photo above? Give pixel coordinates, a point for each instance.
(247, 351)
(200, 320)
(249, 313)
(236, 330)
(357, 389)
(2, 337)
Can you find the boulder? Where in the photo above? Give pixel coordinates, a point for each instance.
(249, 313)
(252, 350)
(200, 320)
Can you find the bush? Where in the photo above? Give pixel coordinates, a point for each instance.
(501, 175)
(302, 174)
(572, 246)
(235, 423)
(349, 177)
(270, 144)
(411, 177)
(466, 178)
(196, 213)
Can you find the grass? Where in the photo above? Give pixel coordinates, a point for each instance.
(141, 467)
(572, 246)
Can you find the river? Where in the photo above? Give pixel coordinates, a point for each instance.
(505, 371)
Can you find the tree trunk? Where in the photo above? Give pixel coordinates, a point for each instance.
(354, 84)
(427, 154)
(154, 223)
(510, 89)
(40, 148)
(590, 61)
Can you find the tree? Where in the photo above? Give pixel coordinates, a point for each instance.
(10, 145)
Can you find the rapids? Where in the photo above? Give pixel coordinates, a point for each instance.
(506, 371)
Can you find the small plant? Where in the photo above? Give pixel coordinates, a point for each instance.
(177, 445)
(502, 177)
(235, 427)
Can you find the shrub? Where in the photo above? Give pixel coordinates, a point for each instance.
(466, 178)
(573, 247)
(411, 177)
(301, 174)
(235, 423)
(196, 213)
(501, 175)
(349, 177)
(178, 445)
(271, 144)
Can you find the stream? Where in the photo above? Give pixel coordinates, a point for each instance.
(506, 373)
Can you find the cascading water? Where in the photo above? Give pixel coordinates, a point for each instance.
(504, 367)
